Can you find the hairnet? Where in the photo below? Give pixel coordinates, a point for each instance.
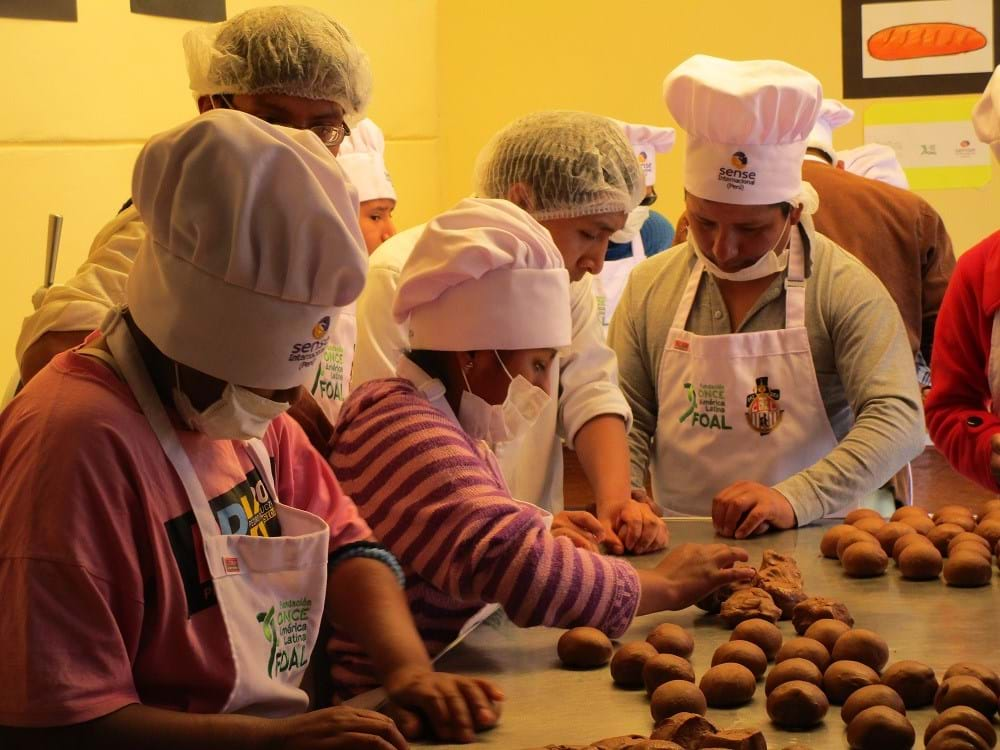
(572, 163)
(280, 50)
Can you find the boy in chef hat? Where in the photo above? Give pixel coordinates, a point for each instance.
(875, 161)
(362, 155)
(832, 115)
(754, 296)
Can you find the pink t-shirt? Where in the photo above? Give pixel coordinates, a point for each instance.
(106, 598)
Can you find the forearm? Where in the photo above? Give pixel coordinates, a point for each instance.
(656, 593)
(602, 447)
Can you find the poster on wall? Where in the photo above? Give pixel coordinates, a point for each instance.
(40, 10)
(195, 10)
(918, 47)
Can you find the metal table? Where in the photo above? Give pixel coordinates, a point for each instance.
(926, 621)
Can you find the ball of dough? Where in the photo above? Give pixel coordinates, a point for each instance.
(953, 509)
(802, 647)
(920, 562)
(967, 569)
(905, 541)
(964, 716)
(973, 669)
(868, 696)
(909, 510)
(913, 680)
(857, 514)
(992, 515)
(989, 530)
(943, 533)
(965, 690)
(922, 524)
(668, 638)
(727, 685)
(622, 742)
(870, 524)
(827, 631)
(956, 737)
(865, 646)
(686, 729)
(766, 635)
(791, 670)
(842, 678)
(664, 668)
(818, 608)
(828, 544)
(968, 536)
(628, 661)
(584, 647)
(797, 705)
(864, 560)
(674, 697)
(749, 604)
(853, 537)
(972, 547)
(750, 655)
(880, 728)
(966, 523)
(889, 533)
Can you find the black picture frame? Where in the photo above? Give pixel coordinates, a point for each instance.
(856, 86)
(39, 10)
(194, 10)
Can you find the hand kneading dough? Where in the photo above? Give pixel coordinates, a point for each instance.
(868, 696)
(676, 697)
(727, 685)
(584, 647)
(668, 638)
(913, 680)
(818, 608)
(749, 604)
(865, 646)
(842, 678)
(880, 728)
(797, 705)
(765, 634)
(628, 661)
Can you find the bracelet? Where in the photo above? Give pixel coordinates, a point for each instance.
(372, 551)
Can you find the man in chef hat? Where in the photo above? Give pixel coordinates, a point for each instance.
(768, 371)
(646, 232)
(876, 161)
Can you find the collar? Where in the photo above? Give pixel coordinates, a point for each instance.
(432, 388)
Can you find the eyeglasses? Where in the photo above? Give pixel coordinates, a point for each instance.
(331, 135)
(650, 199)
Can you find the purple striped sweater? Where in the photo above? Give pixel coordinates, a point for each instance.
(427, 494)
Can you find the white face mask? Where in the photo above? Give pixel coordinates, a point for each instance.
(633, 223)
(501, 423)
(239, 414)
(769, 263)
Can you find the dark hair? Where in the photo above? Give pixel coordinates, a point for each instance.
(784, 206)
(433, 363)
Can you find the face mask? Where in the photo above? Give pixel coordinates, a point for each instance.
(633, 223)
(769, 263)
(501, 423)
(239, 414)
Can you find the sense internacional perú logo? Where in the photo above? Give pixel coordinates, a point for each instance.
(738, 175)
(763, 411)
(321, 327)
(306, 352)
(739, 159)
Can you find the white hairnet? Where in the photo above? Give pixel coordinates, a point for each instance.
(287, 50)
(572, 164)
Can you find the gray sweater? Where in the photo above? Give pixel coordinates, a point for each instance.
(862, 358)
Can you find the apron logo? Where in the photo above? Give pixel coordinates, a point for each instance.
(681, 345)
(231, 564)
(287, 630)
(706, 406)
(763, 412)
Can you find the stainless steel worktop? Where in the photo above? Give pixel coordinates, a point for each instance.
(926, 621)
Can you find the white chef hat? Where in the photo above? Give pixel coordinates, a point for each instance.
(485, 275)
(832, 114)
(876, 162)
(986, 114)
(648, 141)
(252, 241)
(747, 124)
(362, 155)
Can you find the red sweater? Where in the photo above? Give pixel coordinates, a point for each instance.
(958, 407)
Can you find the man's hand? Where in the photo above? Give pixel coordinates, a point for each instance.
(696, 570)
(632, 526)
(580, 527)
(455, 707)
(746, 509)
(995, 457)
(339, 728)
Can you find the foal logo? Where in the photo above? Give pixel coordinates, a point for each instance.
(763, 412)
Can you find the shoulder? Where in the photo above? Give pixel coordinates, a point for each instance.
(392, 254)
(662, 271)
(384, 406)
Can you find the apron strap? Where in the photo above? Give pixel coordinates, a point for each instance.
(795, 283)
(638, 247)
(687, 299)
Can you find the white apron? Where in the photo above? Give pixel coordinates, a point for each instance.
(270, 590)
(742, 406)
(332, 378)
(610, 282)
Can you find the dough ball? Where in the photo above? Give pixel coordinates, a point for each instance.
(973, 669)
(819, 608)
(865, 646)
(965, 690)
(976, 549)
(993, 515)
(628, 661)
(674, 697)
(827, 631)
(892, 531)
(956, 737)
(963, 716)
(909, 510)
(797, 705)
(868, 696)
(622, 742)
(864, 560)
(802, 647)
(922, 524)
(920, 562)
(880, 728)
(750, 655)
(943, 533)
(686, 729)
(664, 668)
(728, 685)
(953, 509)
(905, 541)
(713, 602)
(668, 638)
(853, 537)
(870, 524)
(749, 604)
(990, 531)
(990, 506)
(967, 569)
(766, 635)
(791, 670)
(584, 648)
(913, 680)
(735, 739)
(842, 678)
(828, 544)
(856, 515)
(969, 536)
(966, 523)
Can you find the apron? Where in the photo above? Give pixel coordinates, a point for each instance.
(736, 406)
(270, 590)
(331, 380)
(610, 282)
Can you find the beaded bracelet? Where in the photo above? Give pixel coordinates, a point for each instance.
(372, 551)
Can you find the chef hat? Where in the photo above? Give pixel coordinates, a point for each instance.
(986, 115)
(747, 124)
(280, 50)
(648, 141)
(362, 157)
(832, 114)
(252, 241)
(876, 162)
(485, 275)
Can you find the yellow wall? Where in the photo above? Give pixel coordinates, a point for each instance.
(79, 99)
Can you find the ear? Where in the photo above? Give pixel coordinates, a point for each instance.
(521, 196)
(795, 214)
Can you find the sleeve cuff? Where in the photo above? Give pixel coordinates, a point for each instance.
(585, 407)
(805, 503)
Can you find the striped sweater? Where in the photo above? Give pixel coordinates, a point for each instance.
(431, 498)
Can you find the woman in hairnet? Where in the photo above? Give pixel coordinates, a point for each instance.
(485, 296)
(166, 570)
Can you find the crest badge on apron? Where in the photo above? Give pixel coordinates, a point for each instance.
(763, 411)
